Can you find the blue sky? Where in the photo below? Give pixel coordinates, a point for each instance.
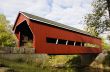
(69, 12)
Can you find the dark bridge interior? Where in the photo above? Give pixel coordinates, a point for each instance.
(26, 35)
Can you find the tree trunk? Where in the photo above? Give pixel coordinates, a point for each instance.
(108, 5)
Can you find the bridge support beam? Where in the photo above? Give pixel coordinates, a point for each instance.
(87, 59)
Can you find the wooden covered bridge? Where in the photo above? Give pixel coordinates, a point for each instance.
(51, 37)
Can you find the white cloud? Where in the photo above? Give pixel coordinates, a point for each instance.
(69, 12)
(40, 7)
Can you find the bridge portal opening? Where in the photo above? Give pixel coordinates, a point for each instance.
(26, 36)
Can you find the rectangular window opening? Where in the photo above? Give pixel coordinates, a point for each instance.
(78, 44)
(91, 45)
(51, 40)
(60, 41)
(70, 42)
(82, 43)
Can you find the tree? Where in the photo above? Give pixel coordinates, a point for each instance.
(108, 5)
(6, 36)
(98, 21)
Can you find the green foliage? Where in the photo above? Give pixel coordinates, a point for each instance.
(28, 44)
(18, 67)
(105, 45)
(6, 36)
(21, 65)
(98, 21)
(75, 61)
(60, 59)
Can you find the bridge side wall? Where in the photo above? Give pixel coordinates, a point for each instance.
(42, 31)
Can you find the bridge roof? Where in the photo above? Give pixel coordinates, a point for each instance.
(53, 23)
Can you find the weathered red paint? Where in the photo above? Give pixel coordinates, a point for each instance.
(41, 31)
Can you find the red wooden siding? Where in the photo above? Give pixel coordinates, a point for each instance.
(41, 31)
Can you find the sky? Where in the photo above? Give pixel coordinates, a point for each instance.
(68, 12)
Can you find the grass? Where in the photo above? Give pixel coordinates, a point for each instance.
(19, 65)
(30, 67)
(22, 67)
(26, 64)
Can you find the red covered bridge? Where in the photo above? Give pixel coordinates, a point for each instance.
(51, 37)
